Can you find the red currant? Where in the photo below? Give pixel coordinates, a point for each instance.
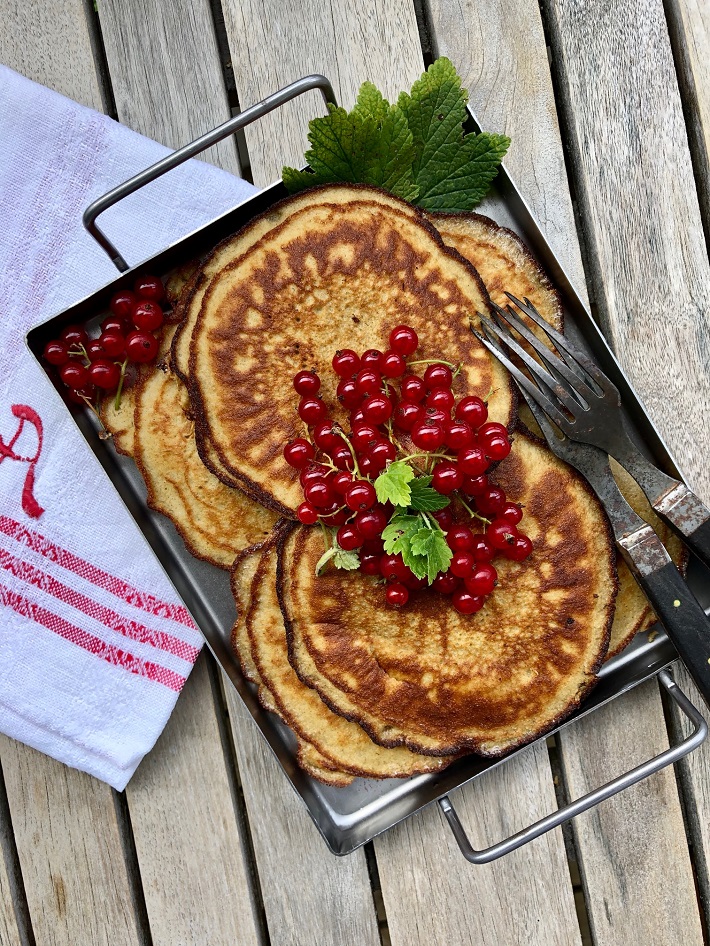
(460, 539)
(360, 495)
(397, 595)
(482, 579)
(370, 564)
(105, 374)
(141, 347)
(428, 435)
(466, 603)
(520, 549)
(444, 517)
(341, 481)
(74, 335)
(407, 414)
(392, 568)
(512, 512)
(348, 394)
(114, 344)
(122, 303)
(74, 375)
(381, 454)
(472, 461)
(404, 340)
(371, 522)
(307, 514)
(306, 382)
(413, 389)
(298, 453)
(438, 376)
(312, 410)
(462, 564)
(482, 551)
(349, 538)
(441, 398)
(346, 363)
(446, 583)
(368, 382)
(497, 448)
(147, 315)
(372, 358)
(364, 436)
(56, 353)
(319, 494)
(392, 365)
(342, 457)
(459, 435)
(326, 436)
(446, 477)
(377, 409)
(475, 485)
(473, 410)
(501, 534)
(149, 287)
(491, 501)
(95, 350)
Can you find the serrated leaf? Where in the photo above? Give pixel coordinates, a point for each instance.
(424, 498)
(462, 177)
(397, 533)
(392, 485)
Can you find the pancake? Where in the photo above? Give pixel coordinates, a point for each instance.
(440, 682)
(343, 743)
(307, 755)
(503, 262)
(215, 522)
(334, 274)
(233, 247)
(633, 613)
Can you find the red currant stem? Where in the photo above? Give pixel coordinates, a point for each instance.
(476, 515)
(341, 433)
(119, 389)
(432, 361)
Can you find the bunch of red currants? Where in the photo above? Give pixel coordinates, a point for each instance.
(387, 403)
(90, 365)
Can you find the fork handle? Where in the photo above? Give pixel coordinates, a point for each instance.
(689, 517)
(683, 618)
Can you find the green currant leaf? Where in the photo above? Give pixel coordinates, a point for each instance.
(392, 485)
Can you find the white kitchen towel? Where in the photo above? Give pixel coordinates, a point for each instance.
(94, 642)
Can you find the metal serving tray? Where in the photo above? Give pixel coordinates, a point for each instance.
(349, 817)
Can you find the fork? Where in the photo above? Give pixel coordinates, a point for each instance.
(569, 391)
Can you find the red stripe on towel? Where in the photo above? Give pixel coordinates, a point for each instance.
(75, 635)
(113, 620)
(110, 583)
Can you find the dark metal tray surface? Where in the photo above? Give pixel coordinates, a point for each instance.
(349, 817)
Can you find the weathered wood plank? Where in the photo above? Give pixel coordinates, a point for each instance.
(69, 846)
(186, 833)
(273, 42)
(311, 898)
(165, 72)
(689, 25)
(525, 898)
(380, 42)
(10, 922)
(52, 43)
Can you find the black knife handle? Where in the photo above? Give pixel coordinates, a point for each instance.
(684, 620)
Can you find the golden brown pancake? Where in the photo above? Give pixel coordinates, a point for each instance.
(503, 262)
(215, 522)
(344, 744)
(334, 274)
(440, 682)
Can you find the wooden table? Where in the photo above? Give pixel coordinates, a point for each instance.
(608, 107)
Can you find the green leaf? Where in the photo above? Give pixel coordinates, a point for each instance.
(397, 534)
(392, 485)
(424, 498)
(453, 172)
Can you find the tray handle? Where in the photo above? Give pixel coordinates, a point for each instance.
(673, 754)
(171, 161)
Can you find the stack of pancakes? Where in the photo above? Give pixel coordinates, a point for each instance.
(369, 691)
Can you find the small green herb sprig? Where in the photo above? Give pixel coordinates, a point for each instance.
(416, 148)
